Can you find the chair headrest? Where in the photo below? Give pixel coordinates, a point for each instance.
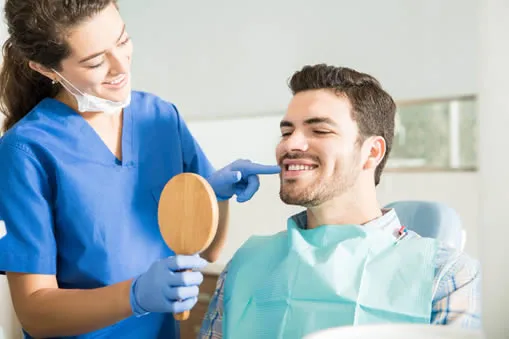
(431, 220)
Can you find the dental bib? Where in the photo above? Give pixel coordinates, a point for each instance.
(300, 281)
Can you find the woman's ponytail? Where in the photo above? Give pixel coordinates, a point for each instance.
(21, 88)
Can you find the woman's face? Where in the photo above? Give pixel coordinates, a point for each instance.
(100, 59)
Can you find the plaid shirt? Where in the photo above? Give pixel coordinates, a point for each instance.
(456, 300)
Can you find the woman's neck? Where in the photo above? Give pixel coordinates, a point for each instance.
(94, 118)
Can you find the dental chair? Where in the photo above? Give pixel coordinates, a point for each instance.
(431, 220)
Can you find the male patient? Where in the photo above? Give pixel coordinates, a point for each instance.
(344, 260)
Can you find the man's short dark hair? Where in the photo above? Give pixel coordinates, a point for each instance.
(372, 107)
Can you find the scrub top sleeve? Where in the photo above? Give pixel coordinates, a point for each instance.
(195, 160)
(28, 245)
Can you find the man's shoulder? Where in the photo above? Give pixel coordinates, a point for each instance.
(452, 264)
(247, 252)
(448, 257)
(257, 243)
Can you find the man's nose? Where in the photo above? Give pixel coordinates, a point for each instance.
(296, 142)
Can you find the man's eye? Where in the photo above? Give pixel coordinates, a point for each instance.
(285, 134)
(322, 132)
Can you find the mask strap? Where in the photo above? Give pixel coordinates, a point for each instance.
(68, 82)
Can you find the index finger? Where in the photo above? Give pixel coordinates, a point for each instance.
(185, 262)
(254, 168)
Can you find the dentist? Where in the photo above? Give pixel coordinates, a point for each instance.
(83, 162)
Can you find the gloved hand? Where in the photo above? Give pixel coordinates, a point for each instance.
(239, 178)
(164, 289)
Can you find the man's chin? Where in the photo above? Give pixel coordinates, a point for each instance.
(294, 199)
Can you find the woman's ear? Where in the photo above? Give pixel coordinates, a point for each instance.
(375, 149)
(43, 70)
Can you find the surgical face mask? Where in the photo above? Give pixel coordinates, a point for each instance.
(90, 103)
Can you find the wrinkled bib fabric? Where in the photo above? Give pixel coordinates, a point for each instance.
(300, 281)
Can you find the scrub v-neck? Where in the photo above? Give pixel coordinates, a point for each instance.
(93, 145)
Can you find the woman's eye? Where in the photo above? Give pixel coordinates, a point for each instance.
(125, 41)
(95, 66)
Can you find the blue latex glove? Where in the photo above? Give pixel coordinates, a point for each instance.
(164, 289)
(239, 178)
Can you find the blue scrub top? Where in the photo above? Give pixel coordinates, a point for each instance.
(72, 209)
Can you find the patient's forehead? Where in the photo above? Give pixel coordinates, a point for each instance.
(324, 104)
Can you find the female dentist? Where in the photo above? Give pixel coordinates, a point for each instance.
(82, 164)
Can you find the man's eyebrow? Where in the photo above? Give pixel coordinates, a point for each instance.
(285, 123)
(310, 121)
(320, 120)
(95, 55)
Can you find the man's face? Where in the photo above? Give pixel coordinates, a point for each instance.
(319, 152)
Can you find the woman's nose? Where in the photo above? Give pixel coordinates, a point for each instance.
(119, 63)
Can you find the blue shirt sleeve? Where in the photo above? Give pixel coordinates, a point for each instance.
(195, 160)
(29, 244)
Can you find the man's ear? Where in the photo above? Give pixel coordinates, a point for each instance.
(375, 149)
(43, 70)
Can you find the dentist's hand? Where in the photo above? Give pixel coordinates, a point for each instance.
(163, 288)
(239, 178)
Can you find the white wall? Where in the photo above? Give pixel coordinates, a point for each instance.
(493, 175)
(234, 57)
(9, 326)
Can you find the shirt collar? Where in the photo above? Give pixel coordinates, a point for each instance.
(387, 221)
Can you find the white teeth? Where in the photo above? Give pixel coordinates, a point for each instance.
(114, 82)
(299, 168)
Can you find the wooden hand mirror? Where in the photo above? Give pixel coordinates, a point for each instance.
(188, 215)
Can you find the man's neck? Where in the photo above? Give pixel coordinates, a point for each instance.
(347, 209)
